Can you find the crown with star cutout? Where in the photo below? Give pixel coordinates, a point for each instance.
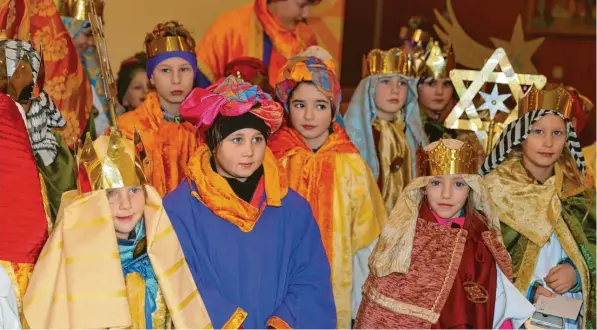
(433, 62)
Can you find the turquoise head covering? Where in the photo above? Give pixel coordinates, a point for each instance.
(362, 111)
(89, 58)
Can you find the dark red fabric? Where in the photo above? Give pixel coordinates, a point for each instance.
(258, 194)
(477, 265)
(23, 224)
(376, 136)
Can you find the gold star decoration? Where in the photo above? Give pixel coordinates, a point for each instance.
(519, 49)
(487, 130)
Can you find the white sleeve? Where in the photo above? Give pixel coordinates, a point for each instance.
(360, 271)
(510, 304)
(9, 312)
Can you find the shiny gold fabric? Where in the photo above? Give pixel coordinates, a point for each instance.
(394, 160)
(78, 280)
(394, 248)
(345, 200)
(534, 211)
(589, 153)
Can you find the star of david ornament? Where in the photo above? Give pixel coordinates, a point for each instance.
(488, 130)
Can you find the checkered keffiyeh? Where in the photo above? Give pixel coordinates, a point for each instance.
(230, 97)
(517, 132)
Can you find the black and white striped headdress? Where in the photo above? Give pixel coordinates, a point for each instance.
(517, 132)
(43, 113)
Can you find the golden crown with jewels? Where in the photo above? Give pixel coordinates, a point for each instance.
(111, 162)
(392, 61)
(158, 41)
(433, 62)
(556, 99)
(79, 9)
(446, 157)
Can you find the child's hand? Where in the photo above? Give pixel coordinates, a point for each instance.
(541, 291)
(561, 278)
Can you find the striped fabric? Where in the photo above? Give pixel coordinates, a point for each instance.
(517, 132)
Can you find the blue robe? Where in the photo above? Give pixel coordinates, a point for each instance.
(277, 269)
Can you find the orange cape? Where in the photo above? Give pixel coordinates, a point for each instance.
(169, 145)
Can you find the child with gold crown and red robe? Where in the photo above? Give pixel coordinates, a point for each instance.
(440, 262)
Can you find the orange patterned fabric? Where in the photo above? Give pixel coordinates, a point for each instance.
(239, 33)
(65, 80)
(215, 192)
(169, 145)
(275, 322)
(311, 174)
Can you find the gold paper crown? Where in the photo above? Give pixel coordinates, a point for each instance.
(392, 61)
(440, 159)
(112, 162)
(413, 32)
(156, 43)
(557, 99)
(434, 62)
(79, 9)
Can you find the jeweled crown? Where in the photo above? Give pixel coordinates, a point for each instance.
(433, 62)
(557, 99)
(392, 61)
(79, 9)
(158, 41)
(440, 159)
(112, 162)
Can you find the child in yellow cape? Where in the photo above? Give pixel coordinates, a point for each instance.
(325, 168)
(113, 260)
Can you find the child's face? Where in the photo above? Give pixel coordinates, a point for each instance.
(173, 79)
(310, 114)
(447, 195)
(127, 205)
(391, 93)
(240, 154)
(545, 142)
(435, 94)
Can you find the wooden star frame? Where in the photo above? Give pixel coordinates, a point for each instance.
(487, 131)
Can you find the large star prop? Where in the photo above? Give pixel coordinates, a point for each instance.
(494, 102)
(519, 49)
(487, 131)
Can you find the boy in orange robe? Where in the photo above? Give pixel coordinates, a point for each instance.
(325, 168)
(168, 140)
(269, 30)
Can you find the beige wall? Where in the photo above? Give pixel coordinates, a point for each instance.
(128, 21)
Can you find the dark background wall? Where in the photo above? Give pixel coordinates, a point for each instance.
(481, 19)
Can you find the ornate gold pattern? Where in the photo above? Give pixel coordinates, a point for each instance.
(557, 99)
(55, 45)
(440, 159)
(476, 293)
(236, 320)
(392, 61)
(45, 8)
(114, 167)
(168, 44)
(487, 131)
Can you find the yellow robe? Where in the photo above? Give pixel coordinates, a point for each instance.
(345, 200)
(589, 153)
(78, 280)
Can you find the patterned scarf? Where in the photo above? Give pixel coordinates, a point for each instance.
(517, 132)
(43, 113)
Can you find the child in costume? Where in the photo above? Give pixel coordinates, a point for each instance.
(23, 80)
(440, 262)
(171, 68)
(23, 220)
(113, 260)
(381, 114)
(252, 244)
(544, 202)
(323, 166)
(133, 84)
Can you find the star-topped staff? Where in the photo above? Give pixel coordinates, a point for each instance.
(488, 130)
